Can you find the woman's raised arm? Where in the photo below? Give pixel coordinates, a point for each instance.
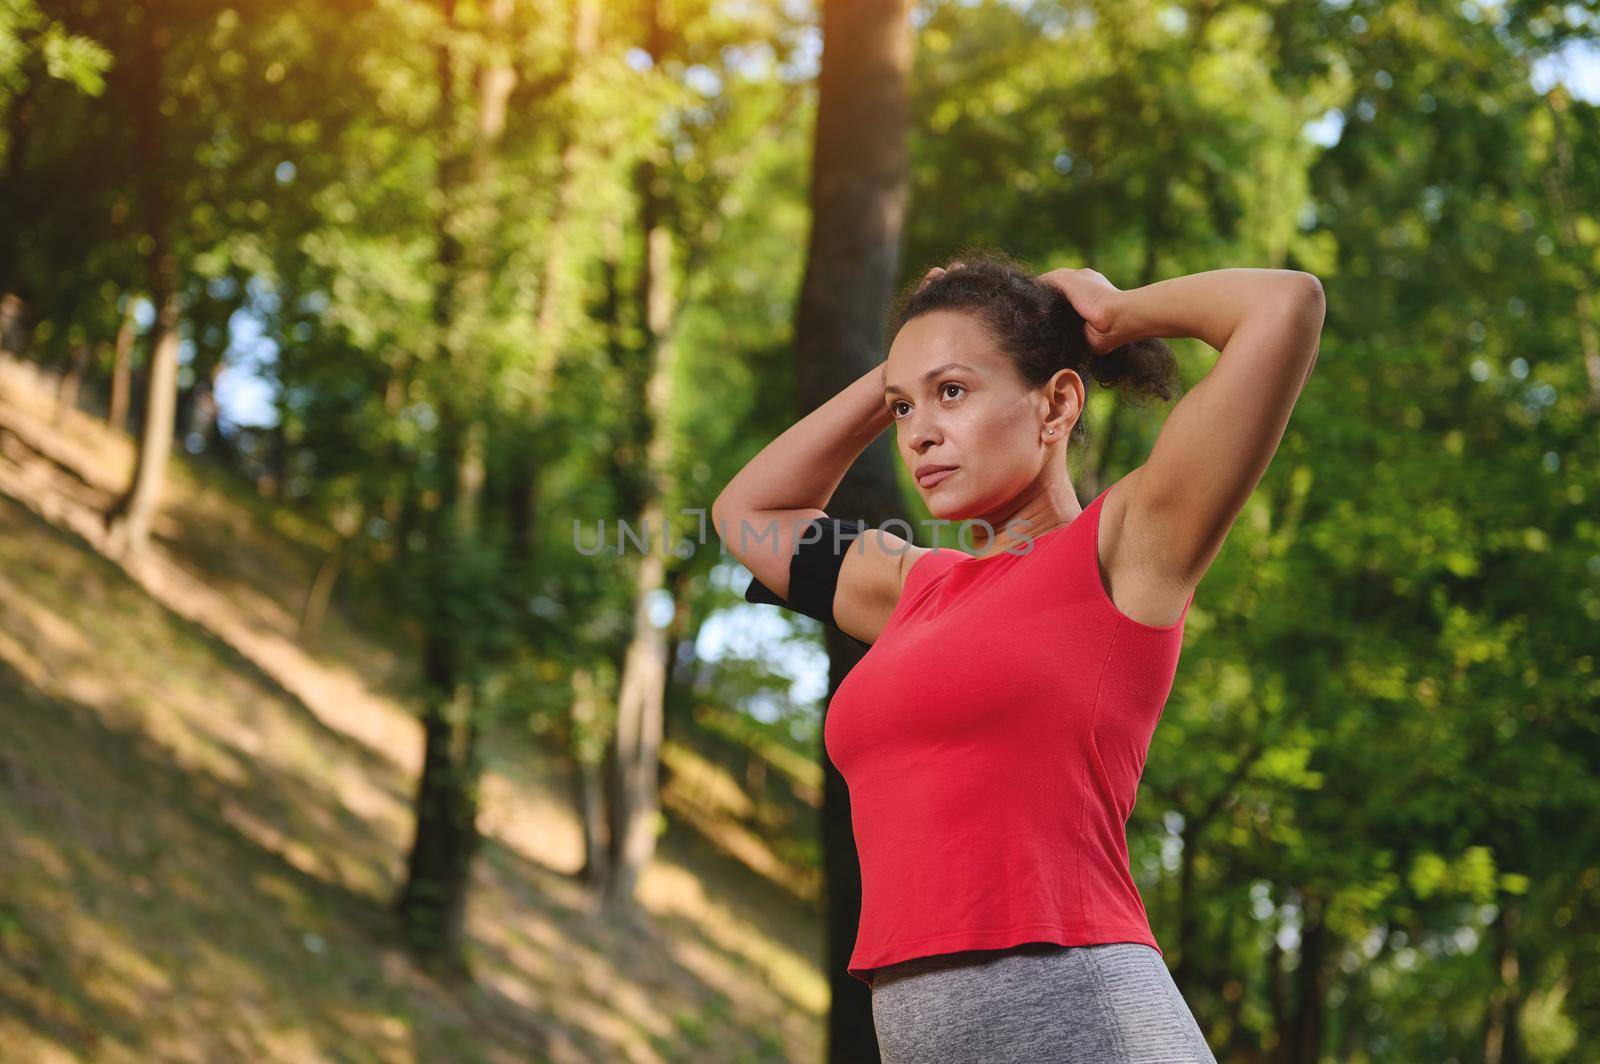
(771, 501)
(1219, 438)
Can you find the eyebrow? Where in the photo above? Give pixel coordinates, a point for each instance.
(926, 377)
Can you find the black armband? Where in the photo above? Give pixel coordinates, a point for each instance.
(813, 570)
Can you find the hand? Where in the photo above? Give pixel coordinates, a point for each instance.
(1097, 299)
(936, 273)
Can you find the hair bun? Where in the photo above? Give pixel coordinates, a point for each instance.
(1136, 367)
(1036, 326)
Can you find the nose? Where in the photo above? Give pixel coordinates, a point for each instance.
(920, 429)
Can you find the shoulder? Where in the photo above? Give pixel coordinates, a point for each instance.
(837, 570)
(871, 581)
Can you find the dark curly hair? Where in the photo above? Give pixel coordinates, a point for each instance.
(1035, 324)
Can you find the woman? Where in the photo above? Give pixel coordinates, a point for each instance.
(993, 736)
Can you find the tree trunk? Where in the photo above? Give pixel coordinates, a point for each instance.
(586, 743)
(522, 505)
(131, 517)
(593, 757)
(71, 379)
(398, 492)
(438, 870)
(275, 482)
(1558, 182)
(1311, 984)
(19, 129)
(637, 743)
(1277, 997)
(641, 690)
(552, 292)
(122, 367)
(1502, 1042)
(13, 323)
(680, 637)
(314, 610)
(200, 426)
(851, 1034)
(859, 189)
(433, 903)
(522, 496)
(1184, 972)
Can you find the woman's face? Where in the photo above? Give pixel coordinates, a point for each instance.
(957, 401)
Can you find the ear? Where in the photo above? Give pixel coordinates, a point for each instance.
(1065, 394)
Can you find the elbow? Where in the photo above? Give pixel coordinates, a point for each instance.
(718, 512)
(730, 498)
(1299, 303)
(722, 509)
(722, 503)
(1308, 291)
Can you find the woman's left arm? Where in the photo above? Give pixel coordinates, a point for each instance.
(1220, 437)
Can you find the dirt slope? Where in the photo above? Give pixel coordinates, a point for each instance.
(201, 823)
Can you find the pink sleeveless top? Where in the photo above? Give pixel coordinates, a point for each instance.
(992, 739)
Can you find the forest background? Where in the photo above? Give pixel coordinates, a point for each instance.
(336, 336)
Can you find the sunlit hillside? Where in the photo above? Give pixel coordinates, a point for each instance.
(202, 824)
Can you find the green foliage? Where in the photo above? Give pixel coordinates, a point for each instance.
(28, 34)
(1381, 740)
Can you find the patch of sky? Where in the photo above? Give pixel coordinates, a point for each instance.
(753, 62)
(246, 391)
(806, 58)
(1261, 904)
(1326, 129)
(1576, 65)
(703, 79)
(1289, 933)
(1432, 202)
(766, 633)
(661, 606)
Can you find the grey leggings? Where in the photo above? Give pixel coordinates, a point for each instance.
(1107, 1004)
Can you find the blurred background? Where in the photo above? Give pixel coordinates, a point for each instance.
(340, 337)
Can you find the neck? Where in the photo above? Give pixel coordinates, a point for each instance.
(1030, 518)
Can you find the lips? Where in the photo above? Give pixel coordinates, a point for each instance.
(933, 475)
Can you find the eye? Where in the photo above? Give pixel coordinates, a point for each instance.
(894, 407)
